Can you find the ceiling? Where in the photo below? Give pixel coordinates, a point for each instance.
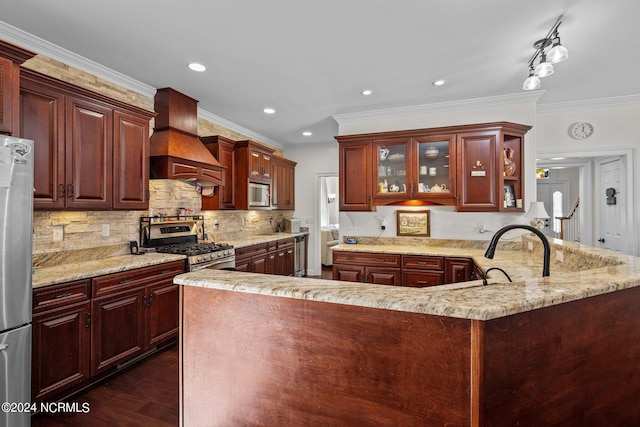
(310, 60)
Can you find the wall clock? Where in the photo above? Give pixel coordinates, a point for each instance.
(581, 130)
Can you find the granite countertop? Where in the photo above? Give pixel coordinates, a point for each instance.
(67, 272)
(101, 261)
(242, 242)
(587, 272)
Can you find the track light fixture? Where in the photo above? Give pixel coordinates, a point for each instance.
(557, 53)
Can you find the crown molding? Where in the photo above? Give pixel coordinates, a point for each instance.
(586, 104)
(517, 98)
(204, 114)
(40, 46)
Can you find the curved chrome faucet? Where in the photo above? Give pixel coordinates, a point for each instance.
(545, 242)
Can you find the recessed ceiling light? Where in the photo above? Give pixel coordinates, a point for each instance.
(269, 111)
(367, 92)
(307, 133)
(440, 82)
(197, 67)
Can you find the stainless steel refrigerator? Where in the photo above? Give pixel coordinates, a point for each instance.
(16, 228)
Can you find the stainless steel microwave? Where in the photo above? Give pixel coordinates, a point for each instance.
(259, 195)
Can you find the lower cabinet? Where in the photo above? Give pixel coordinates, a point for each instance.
(275, 257)
(401, 270)
(84, 329)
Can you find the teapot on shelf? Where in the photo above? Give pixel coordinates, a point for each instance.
(384, 153)
(437, 188)
(394, 188)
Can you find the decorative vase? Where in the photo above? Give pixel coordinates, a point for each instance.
(509, 164)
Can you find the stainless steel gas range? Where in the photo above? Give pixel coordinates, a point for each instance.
(184, 235)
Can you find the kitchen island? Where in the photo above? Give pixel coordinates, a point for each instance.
(281, 351)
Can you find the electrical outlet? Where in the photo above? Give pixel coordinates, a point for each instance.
(106, 230)
(217, 224)
(58, 233)
(530, 246)
(559, 256)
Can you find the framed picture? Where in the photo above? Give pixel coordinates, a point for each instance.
(509, 196)
(413, 223)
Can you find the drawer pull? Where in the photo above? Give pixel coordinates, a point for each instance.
(421, 263)
(381, 260)
(123, 281)
(167, 272)
(422, 282)
(63, 295)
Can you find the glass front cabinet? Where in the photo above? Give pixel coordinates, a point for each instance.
(415, 169)
(476, 168)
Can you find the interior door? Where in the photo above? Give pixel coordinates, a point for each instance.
(611, 202)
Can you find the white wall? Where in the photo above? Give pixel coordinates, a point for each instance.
(614, 132)
(314, 161)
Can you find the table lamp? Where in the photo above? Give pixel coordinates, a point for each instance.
(538, 214)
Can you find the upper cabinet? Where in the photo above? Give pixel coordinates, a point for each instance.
(10, 59)
(223, 149)
(474, 167)
(282, 183)
(91, 152)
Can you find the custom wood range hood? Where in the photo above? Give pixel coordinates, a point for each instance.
(176, 151)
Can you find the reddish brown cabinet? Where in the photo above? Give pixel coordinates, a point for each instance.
(462, 166)
(355, 164)
(375, 268)
(274, 257)
(87, 328)
(61, 338)
(92, 152)
(282, 183)
(10, 59)
(223, 149)
(401, 270)
(252, 164)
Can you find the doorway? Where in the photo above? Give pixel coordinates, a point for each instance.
(599, 170)
(556, 196)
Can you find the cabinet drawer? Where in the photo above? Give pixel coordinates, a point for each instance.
(249, 251)
(362, 258)
(132, 278)
(422, 278)
(271, 246)
(287, 243)
(423, 262)
(54, 296)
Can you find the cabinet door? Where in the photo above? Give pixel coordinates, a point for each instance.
(118, 329)
(272, 265)
(434, 168)
(276, 184)
(259, 165)
(289, 186)
(130, 162)
(391, 170)
(259, 264)
(290, 261)
(243, 264)
(457, 270)
(42, 120)
(61, 350)
(226, 157)
(6, 95)
(348, 273)
(383, 276)
(89, 155)
(477, 171)
(422, 278)
(355, 177)
(162, 312)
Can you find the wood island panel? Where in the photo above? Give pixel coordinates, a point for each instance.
(262, 360)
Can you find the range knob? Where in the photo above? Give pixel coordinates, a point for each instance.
(198, 259)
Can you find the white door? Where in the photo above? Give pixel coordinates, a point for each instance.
(611, 201)
(555, 196)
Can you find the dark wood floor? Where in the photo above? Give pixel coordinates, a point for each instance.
(327, 273)
(145, 395)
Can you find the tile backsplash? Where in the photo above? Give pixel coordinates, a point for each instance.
(84, 230)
